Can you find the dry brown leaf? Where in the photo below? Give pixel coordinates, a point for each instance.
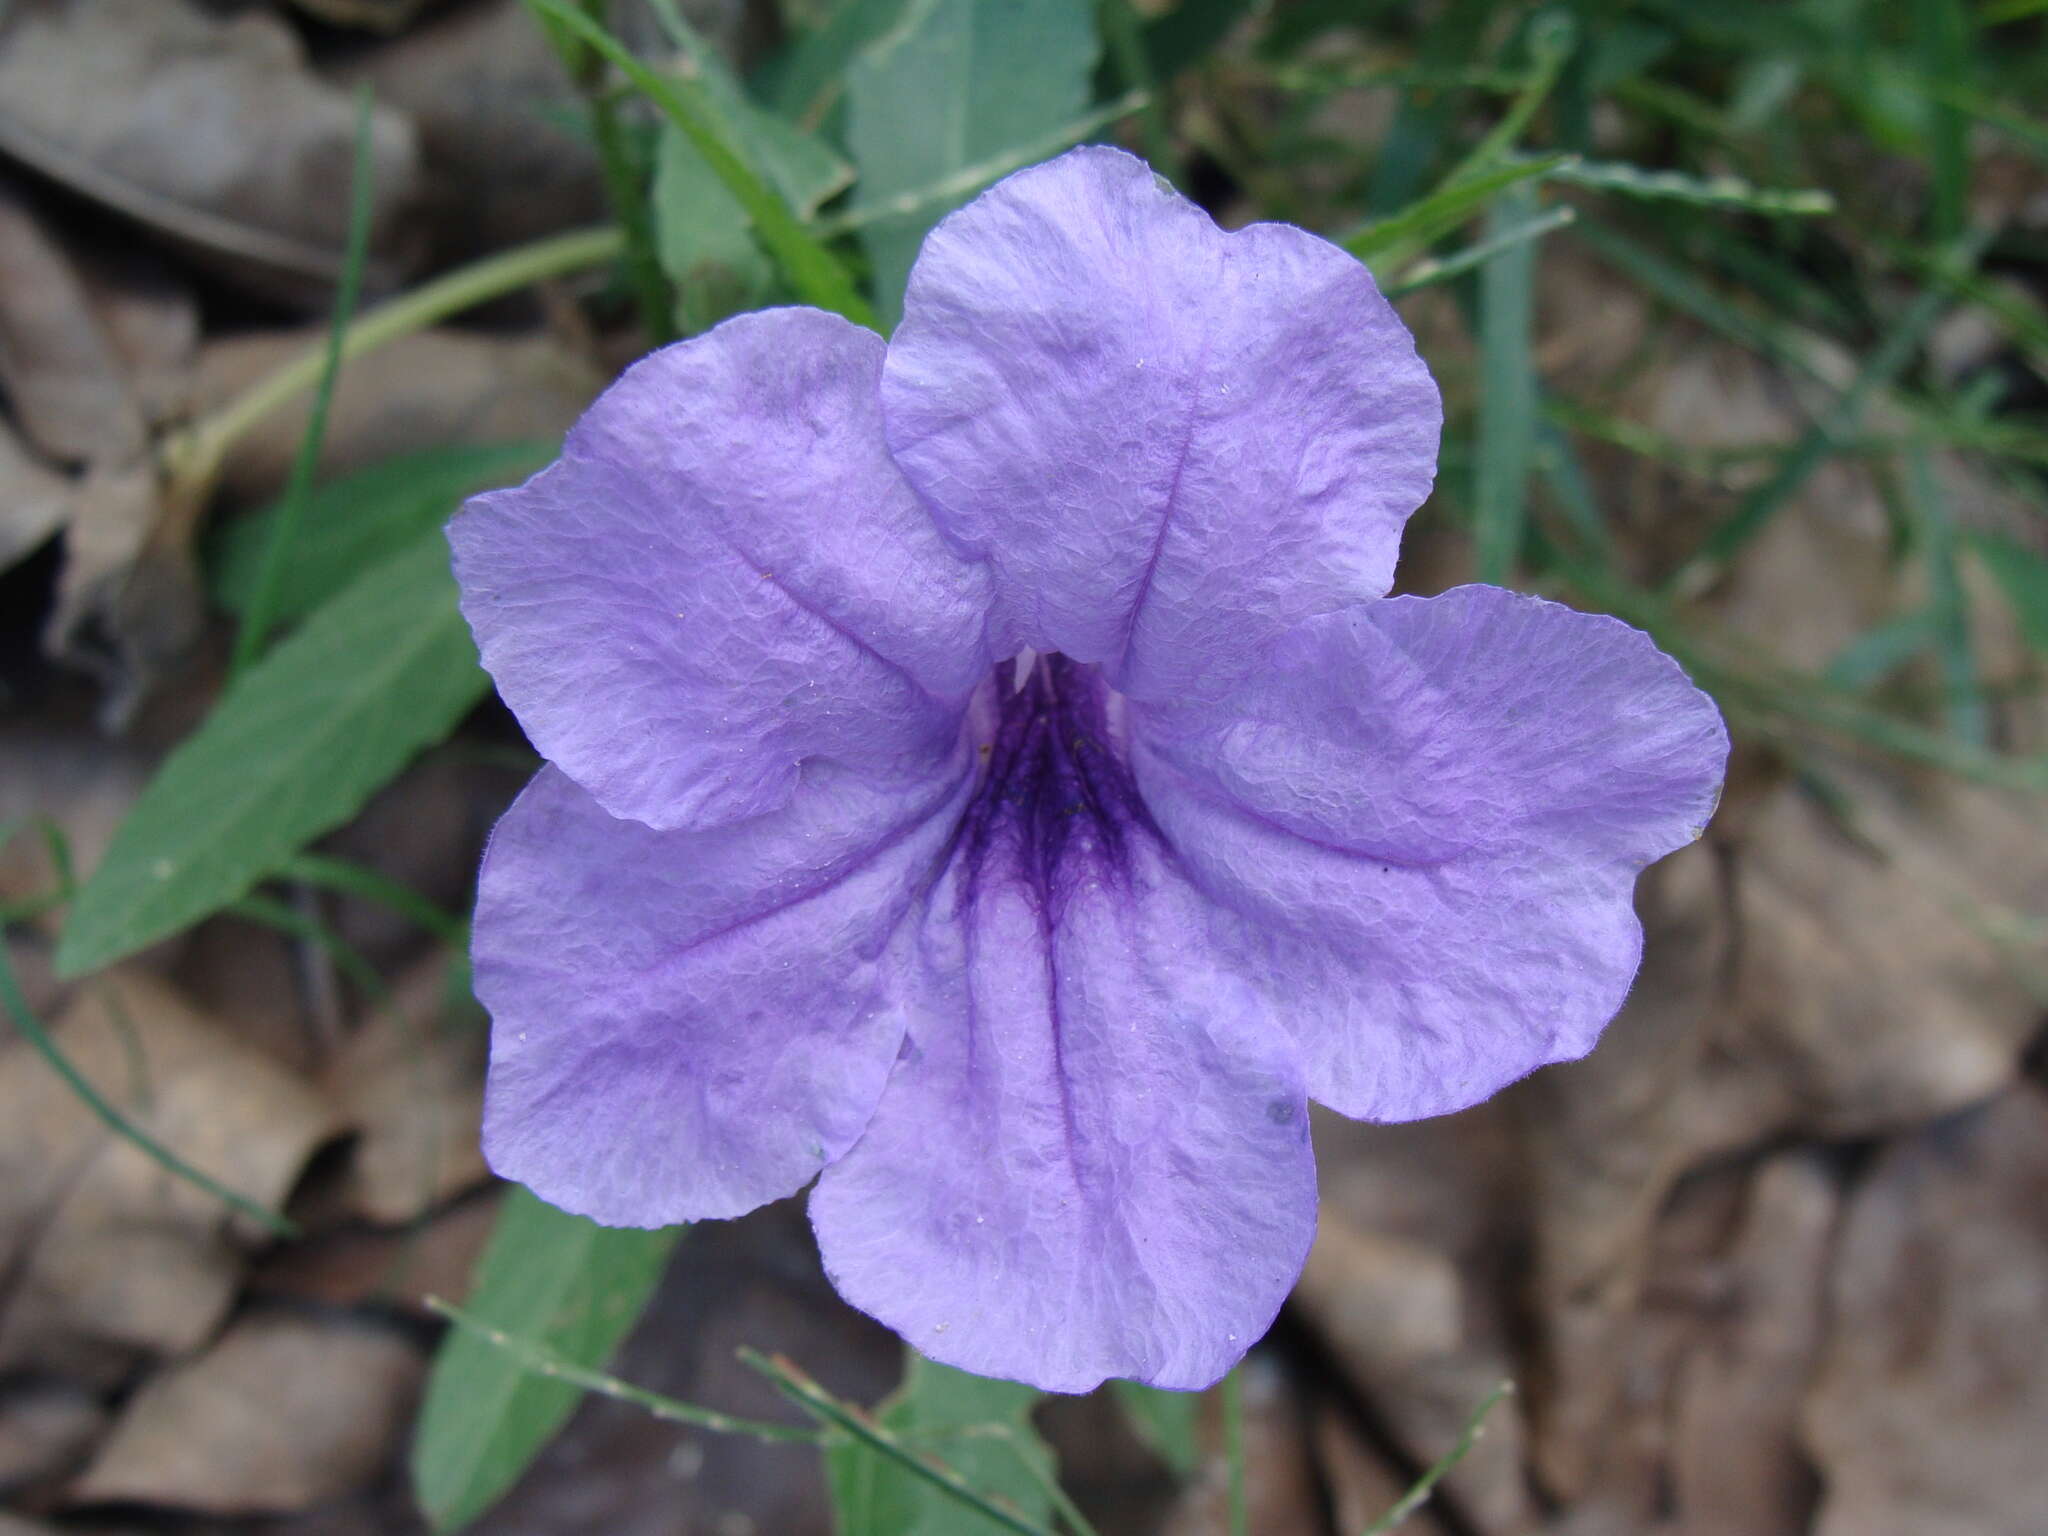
(1383, 1303)
(211, 130)
(353, 1266)
(109, 1248)
(1736, 1465)
(1872, 994)
(80, 786)
(46, 1429)
(411, 1082)
(35, 501)
(484, 85)
(95, 351)
(151, 318)
(427, 390)
(284, 1412)
(63, 376)
(1927, 1420)
(128, 604)
(1394, 1313)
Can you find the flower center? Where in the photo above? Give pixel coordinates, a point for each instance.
(1056, 806)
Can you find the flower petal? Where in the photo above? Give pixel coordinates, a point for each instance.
(689, 1024)
(1092, 1159)
(725, 576)
(1430, 818)
(1167, 441)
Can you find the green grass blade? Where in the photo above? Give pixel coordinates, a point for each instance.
(2022, 575)
(1435, 269)
(31, 1029)
(1941, 34)
(1418, 1495)
(1507, 393)
(1443, 210)
(1967, 714)
(1884, 365)
(258, 613)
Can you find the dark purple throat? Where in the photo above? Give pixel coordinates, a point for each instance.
(1056, 806)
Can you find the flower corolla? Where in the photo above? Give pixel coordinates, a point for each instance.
(985, 775)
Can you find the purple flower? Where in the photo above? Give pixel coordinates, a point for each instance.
(985, 775)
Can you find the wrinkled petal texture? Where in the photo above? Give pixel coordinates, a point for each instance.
(1167, 442)
(690, 1024)
(723, 577)
(1093, 1158)
(1429, 816)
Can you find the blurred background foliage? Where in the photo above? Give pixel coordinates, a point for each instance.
(1739, 315)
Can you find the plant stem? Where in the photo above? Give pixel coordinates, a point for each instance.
(192, 460)
(542, 1361)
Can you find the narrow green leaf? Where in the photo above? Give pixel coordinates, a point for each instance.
(1165, 1421)
(296, 746)
(570, 1286)
(2022, 575)
(813, 271)
(352, 523)
(31, 1029)
(1880, 369)
(1433, 269)
(1425, 1485)
(1968, 716)
(1507, 392)
(1942, 34)
(1446, 208)
(956, 82)
(981, 1428)
(259, 612)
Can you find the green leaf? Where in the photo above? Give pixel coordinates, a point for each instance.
(1165, 1421)
(300, 741)
(352, 523)
(959, 81)
(805, 79)
(701, 230)
(813, 272)
(980, 1427)
(2022, 575)
(564, 1283)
